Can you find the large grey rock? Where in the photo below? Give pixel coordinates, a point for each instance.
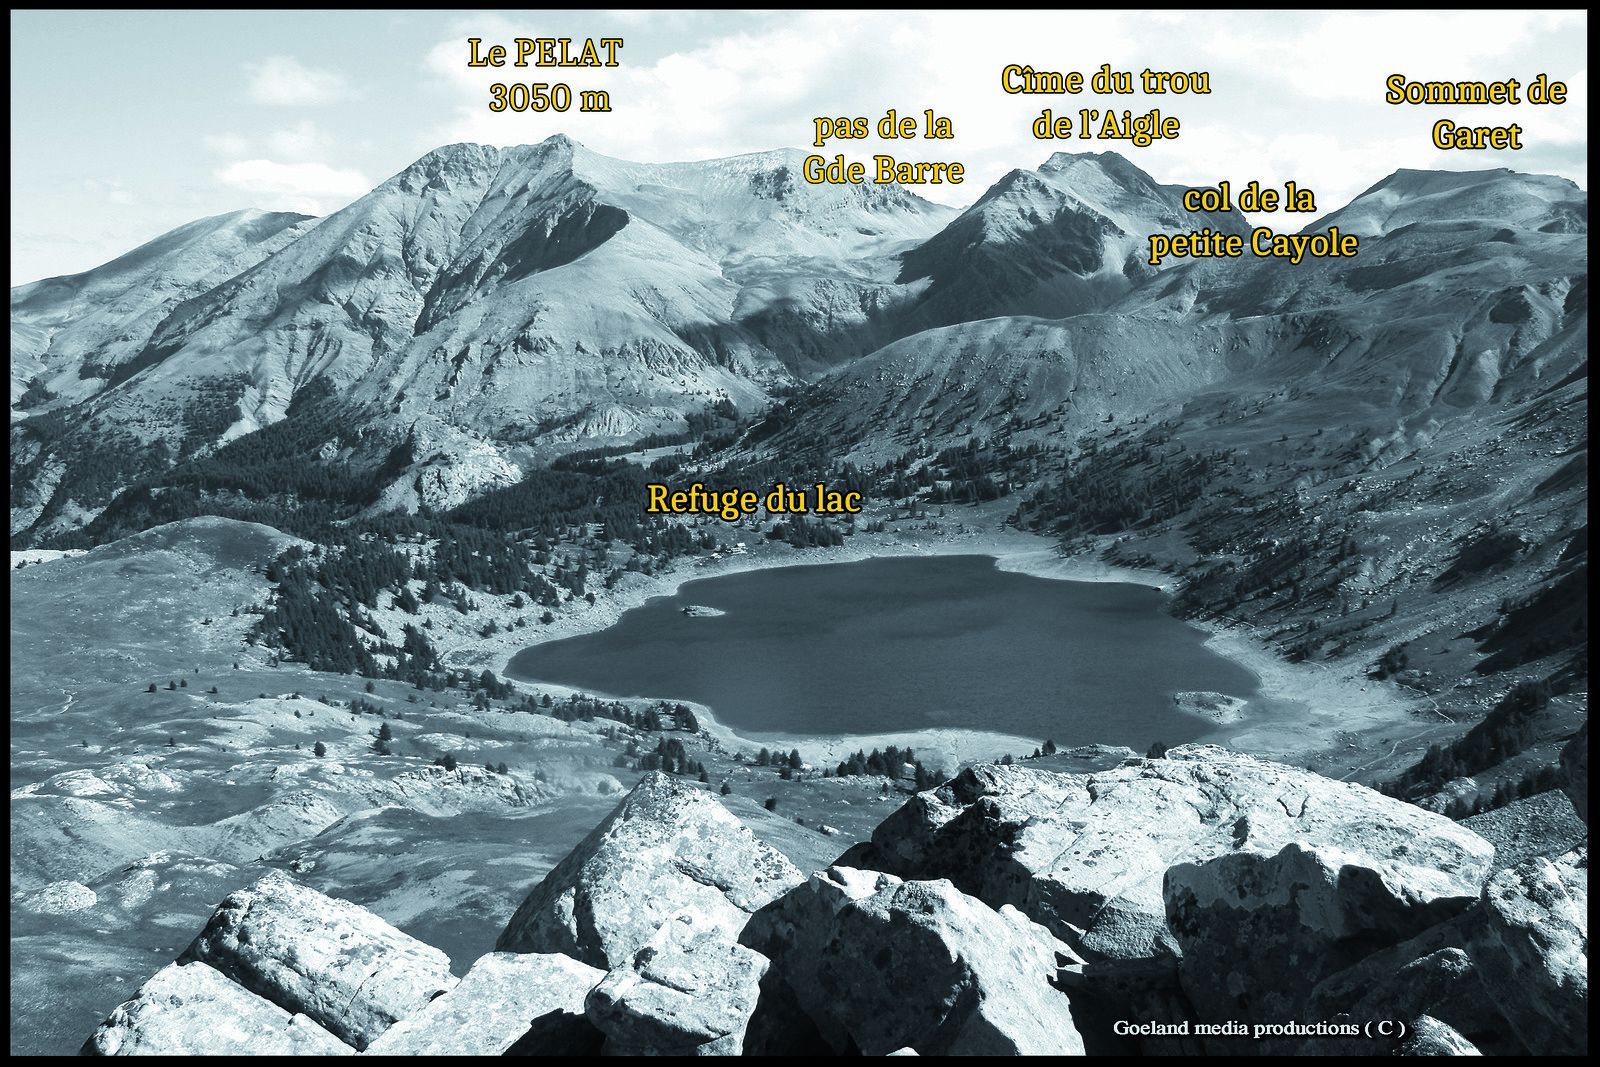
(1533, 951)
(688, 992)
(1427, 1036)
(1085, 854)
(531, 1001)
(329, 959)
(1342, 990)
(192, 1010)
(1440, 984)
(881, 964)
(1107, 992)
(1259, 930)
(1432, 974)
(668, 848)
(1575, 771)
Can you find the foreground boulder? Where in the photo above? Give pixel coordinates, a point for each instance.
(1442, 977)
(1431, 976)
(688, 992)
(1533, 951)
(1086, 854)
(882, 965)
(191, 1010)
(531, 1003)
(707, 942)
(1107, 992)
(328, 959)
(668, 848)
(1258, 931)
(1427, 1036)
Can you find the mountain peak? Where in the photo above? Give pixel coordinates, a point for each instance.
(1118, 168)
(1105, 160)
(1496, 196)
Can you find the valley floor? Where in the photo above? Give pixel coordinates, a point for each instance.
(137, 801)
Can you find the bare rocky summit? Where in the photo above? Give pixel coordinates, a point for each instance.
(330, 960)
(1085, 855)
(880, 964)
(1026, 912)
(193, 1010)
(669, 847)
(506, 998)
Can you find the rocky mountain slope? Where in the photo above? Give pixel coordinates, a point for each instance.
(1067, 238)
(1246, 908)
(496, 306)
(1374, 466)
(1452, 311)
(72, 337)
(1360, 459)
(523, 298)
(1499, 197)
(487, 308)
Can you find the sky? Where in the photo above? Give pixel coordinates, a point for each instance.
(127, 124)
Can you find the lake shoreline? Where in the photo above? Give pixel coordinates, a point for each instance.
(1302, 713)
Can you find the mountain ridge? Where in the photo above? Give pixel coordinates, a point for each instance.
(512, 302)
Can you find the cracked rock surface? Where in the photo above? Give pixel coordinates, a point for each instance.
(328, 959)
(1085, 855)
(668, 848)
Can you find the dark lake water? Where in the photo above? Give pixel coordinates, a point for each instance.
(903, 644)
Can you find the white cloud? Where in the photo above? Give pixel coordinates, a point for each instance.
(1346, 55)
(308, 187)
(227, 144)
(301, 141)
(284, 80)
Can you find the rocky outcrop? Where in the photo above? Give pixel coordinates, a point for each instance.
(59, 898)
(1106, 992)
(1432, 974)
(1290, 918)
(530, 1002)
(328, 959)
(1533, 951)
(1428, 1036)
(689, 991)
(658, 894)
(668, 848)
(1575, 771)
(1455, 792)
(191, 1010)
(1205, 888)
(1443, 983)
(880, 964)
(1086, 854)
